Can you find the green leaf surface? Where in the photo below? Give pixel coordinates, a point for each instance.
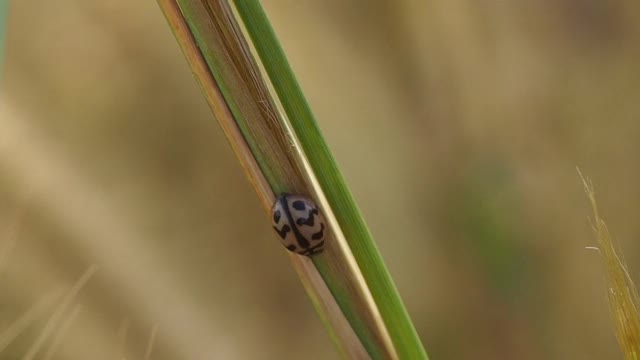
(395, 316)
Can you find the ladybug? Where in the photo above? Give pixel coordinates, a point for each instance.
(299, 224)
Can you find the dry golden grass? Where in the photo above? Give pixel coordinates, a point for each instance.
(623, 295)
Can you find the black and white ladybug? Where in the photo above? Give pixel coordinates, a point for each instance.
(299, 223)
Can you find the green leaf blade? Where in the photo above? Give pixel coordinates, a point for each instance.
(392, 310)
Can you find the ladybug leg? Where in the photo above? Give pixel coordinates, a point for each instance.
(314, 250)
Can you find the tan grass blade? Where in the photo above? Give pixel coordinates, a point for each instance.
(16, 328)
(121, 337)
(623, 295)
(152, 341)
(60, 334)
(55, 319)
(321, 296)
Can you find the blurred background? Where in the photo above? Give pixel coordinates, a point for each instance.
(458, 125)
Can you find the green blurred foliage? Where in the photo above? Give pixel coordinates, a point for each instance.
(458, 125)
